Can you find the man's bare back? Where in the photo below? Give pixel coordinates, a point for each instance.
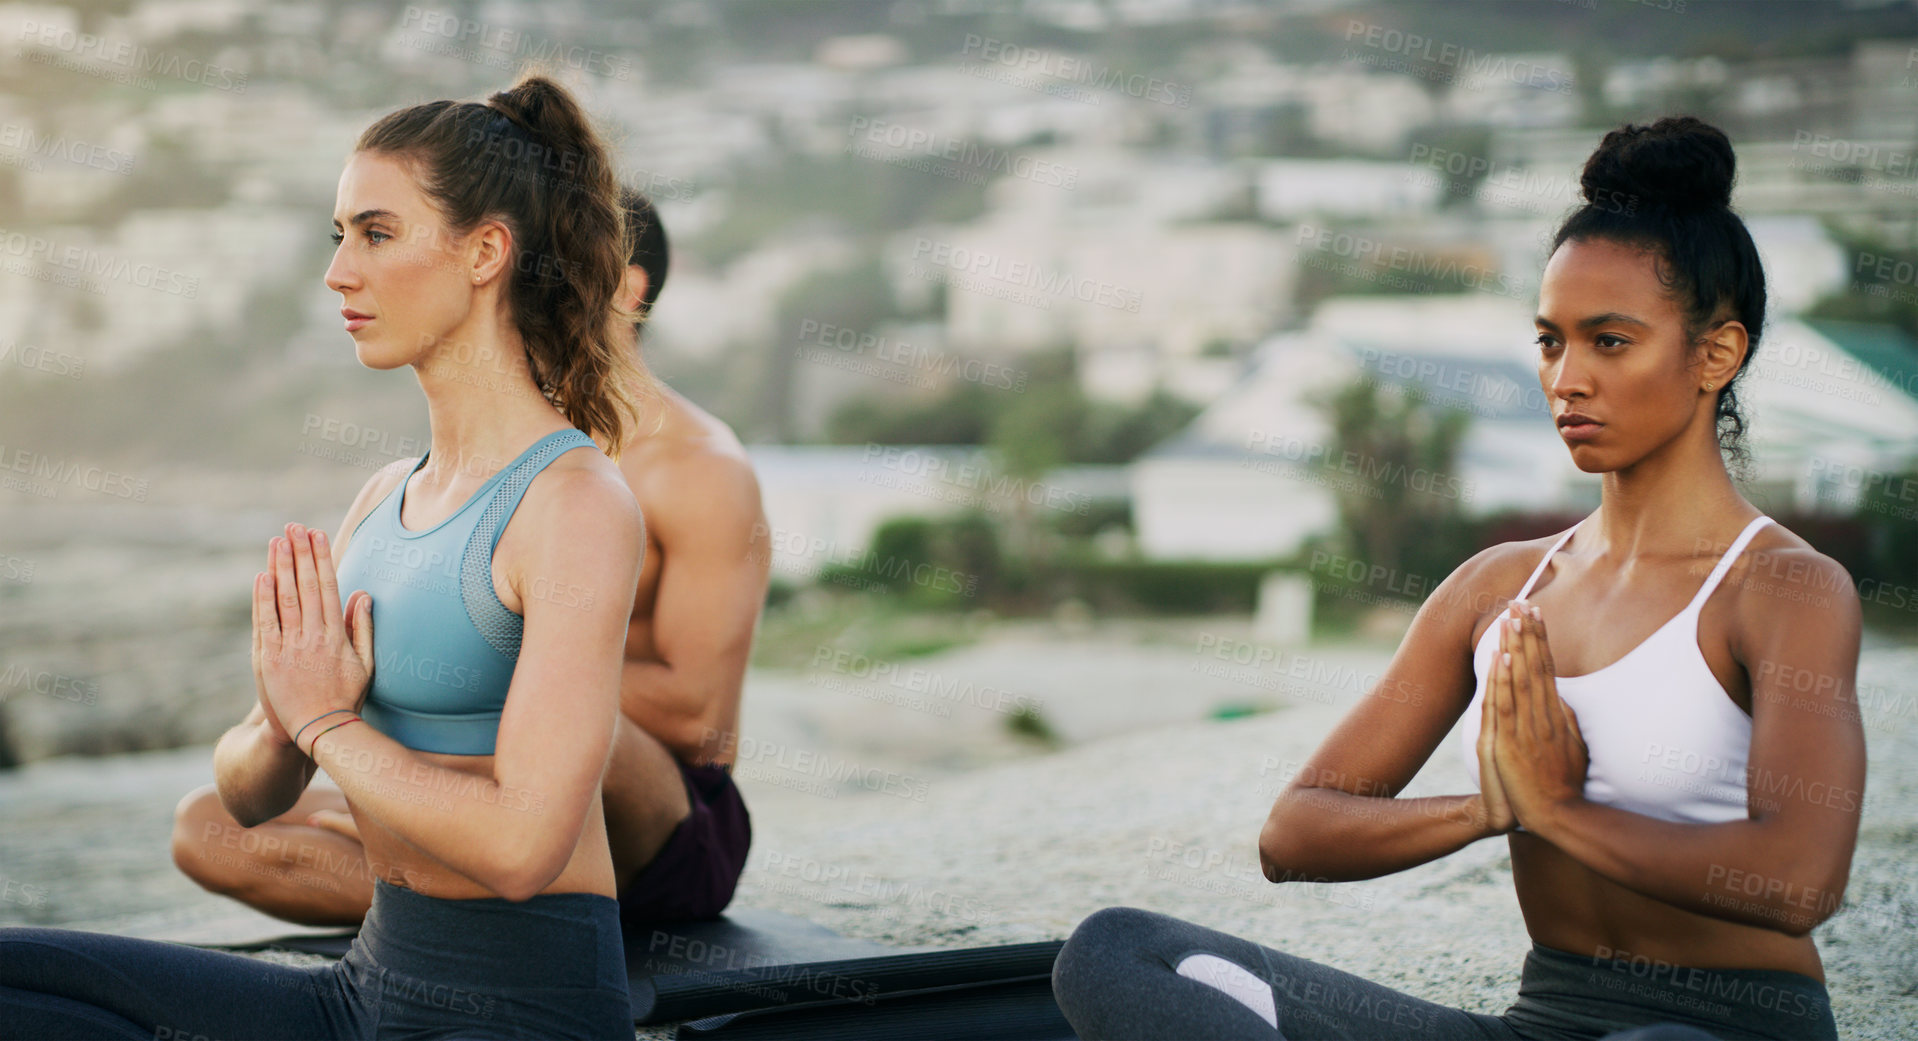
(701, 584)
(671, 811)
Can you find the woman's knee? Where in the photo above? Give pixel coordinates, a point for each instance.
(1108, 939)
(198, 821)
(1117, 928)
(32, 957)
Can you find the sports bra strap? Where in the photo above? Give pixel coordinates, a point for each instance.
(513, 485)
(1725, 562)
(1540, 569)
(502, 628)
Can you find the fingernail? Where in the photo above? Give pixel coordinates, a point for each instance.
(319, 537)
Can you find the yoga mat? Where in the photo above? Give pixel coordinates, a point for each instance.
(755, 973)
(683, 952)
(688, 957)
(1020, 1009)
(855, 990)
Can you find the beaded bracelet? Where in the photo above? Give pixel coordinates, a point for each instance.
(315, 719)
(311, 748)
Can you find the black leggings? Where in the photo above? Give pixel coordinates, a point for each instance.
(1127, 973)
(552, 966)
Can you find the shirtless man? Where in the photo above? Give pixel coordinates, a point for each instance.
(678, 829)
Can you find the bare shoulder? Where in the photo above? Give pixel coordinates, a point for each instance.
(1487, 581)
(583, 492)
(702, 473)
(1782, 581)
(693, 473)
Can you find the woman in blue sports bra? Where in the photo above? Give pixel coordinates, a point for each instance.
(458, 675)
(1677, 766)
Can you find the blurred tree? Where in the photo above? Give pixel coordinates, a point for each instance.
(1114, 433)
(1869, 300)
(1050, 405)
(1474, 143)
(852, 297)
(1394, 462)
(1030, 438)
(962, 551)
(958, 416)
(1890, 513)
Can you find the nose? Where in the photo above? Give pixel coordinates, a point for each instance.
(1568, 376)
(340, 275)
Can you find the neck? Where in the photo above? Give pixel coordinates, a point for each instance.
(1670, 502)
(483, 408)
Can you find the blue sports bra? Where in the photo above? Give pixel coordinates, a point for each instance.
(1662, 736)
(444, 646)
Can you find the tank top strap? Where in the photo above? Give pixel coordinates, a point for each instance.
(513, 484)
(1725, 563)
(1540, 569)
(387, 510)
(500, 627)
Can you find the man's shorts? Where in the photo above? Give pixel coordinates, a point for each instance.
(694, 874)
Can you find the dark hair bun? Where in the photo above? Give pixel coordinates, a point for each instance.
(1679, 162)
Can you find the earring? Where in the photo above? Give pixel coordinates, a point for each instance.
(1708, 385)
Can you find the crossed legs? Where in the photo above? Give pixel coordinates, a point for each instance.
(314, 875)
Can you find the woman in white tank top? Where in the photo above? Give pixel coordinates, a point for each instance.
(1657, 705)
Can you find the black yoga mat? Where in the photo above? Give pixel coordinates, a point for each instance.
(689, 956)
(982, 992)
(756, 973)
(1013, 1011)
(682, 952)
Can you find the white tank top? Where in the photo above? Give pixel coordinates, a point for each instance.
(1663, 737)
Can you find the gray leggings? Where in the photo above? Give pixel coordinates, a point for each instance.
(549, 967)
(1127, 973)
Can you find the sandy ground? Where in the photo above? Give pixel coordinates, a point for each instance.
(896, 805)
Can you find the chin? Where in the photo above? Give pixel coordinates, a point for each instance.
(1592, 461)
(373, 356)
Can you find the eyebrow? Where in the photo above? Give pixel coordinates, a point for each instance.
(1608, 318)
(367, 216)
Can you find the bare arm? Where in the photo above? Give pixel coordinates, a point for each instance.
(516, 832)
(1340, 819)
(712, 583)
(1785, 867)
(256, 768)
(258, 772)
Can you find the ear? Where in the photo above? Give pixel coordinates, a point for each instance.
(1723, 352)
(633, 290)
(489, 252)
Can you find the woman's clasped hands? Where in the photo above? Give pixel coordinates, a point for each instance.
(1531, 756)
(310, 657)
